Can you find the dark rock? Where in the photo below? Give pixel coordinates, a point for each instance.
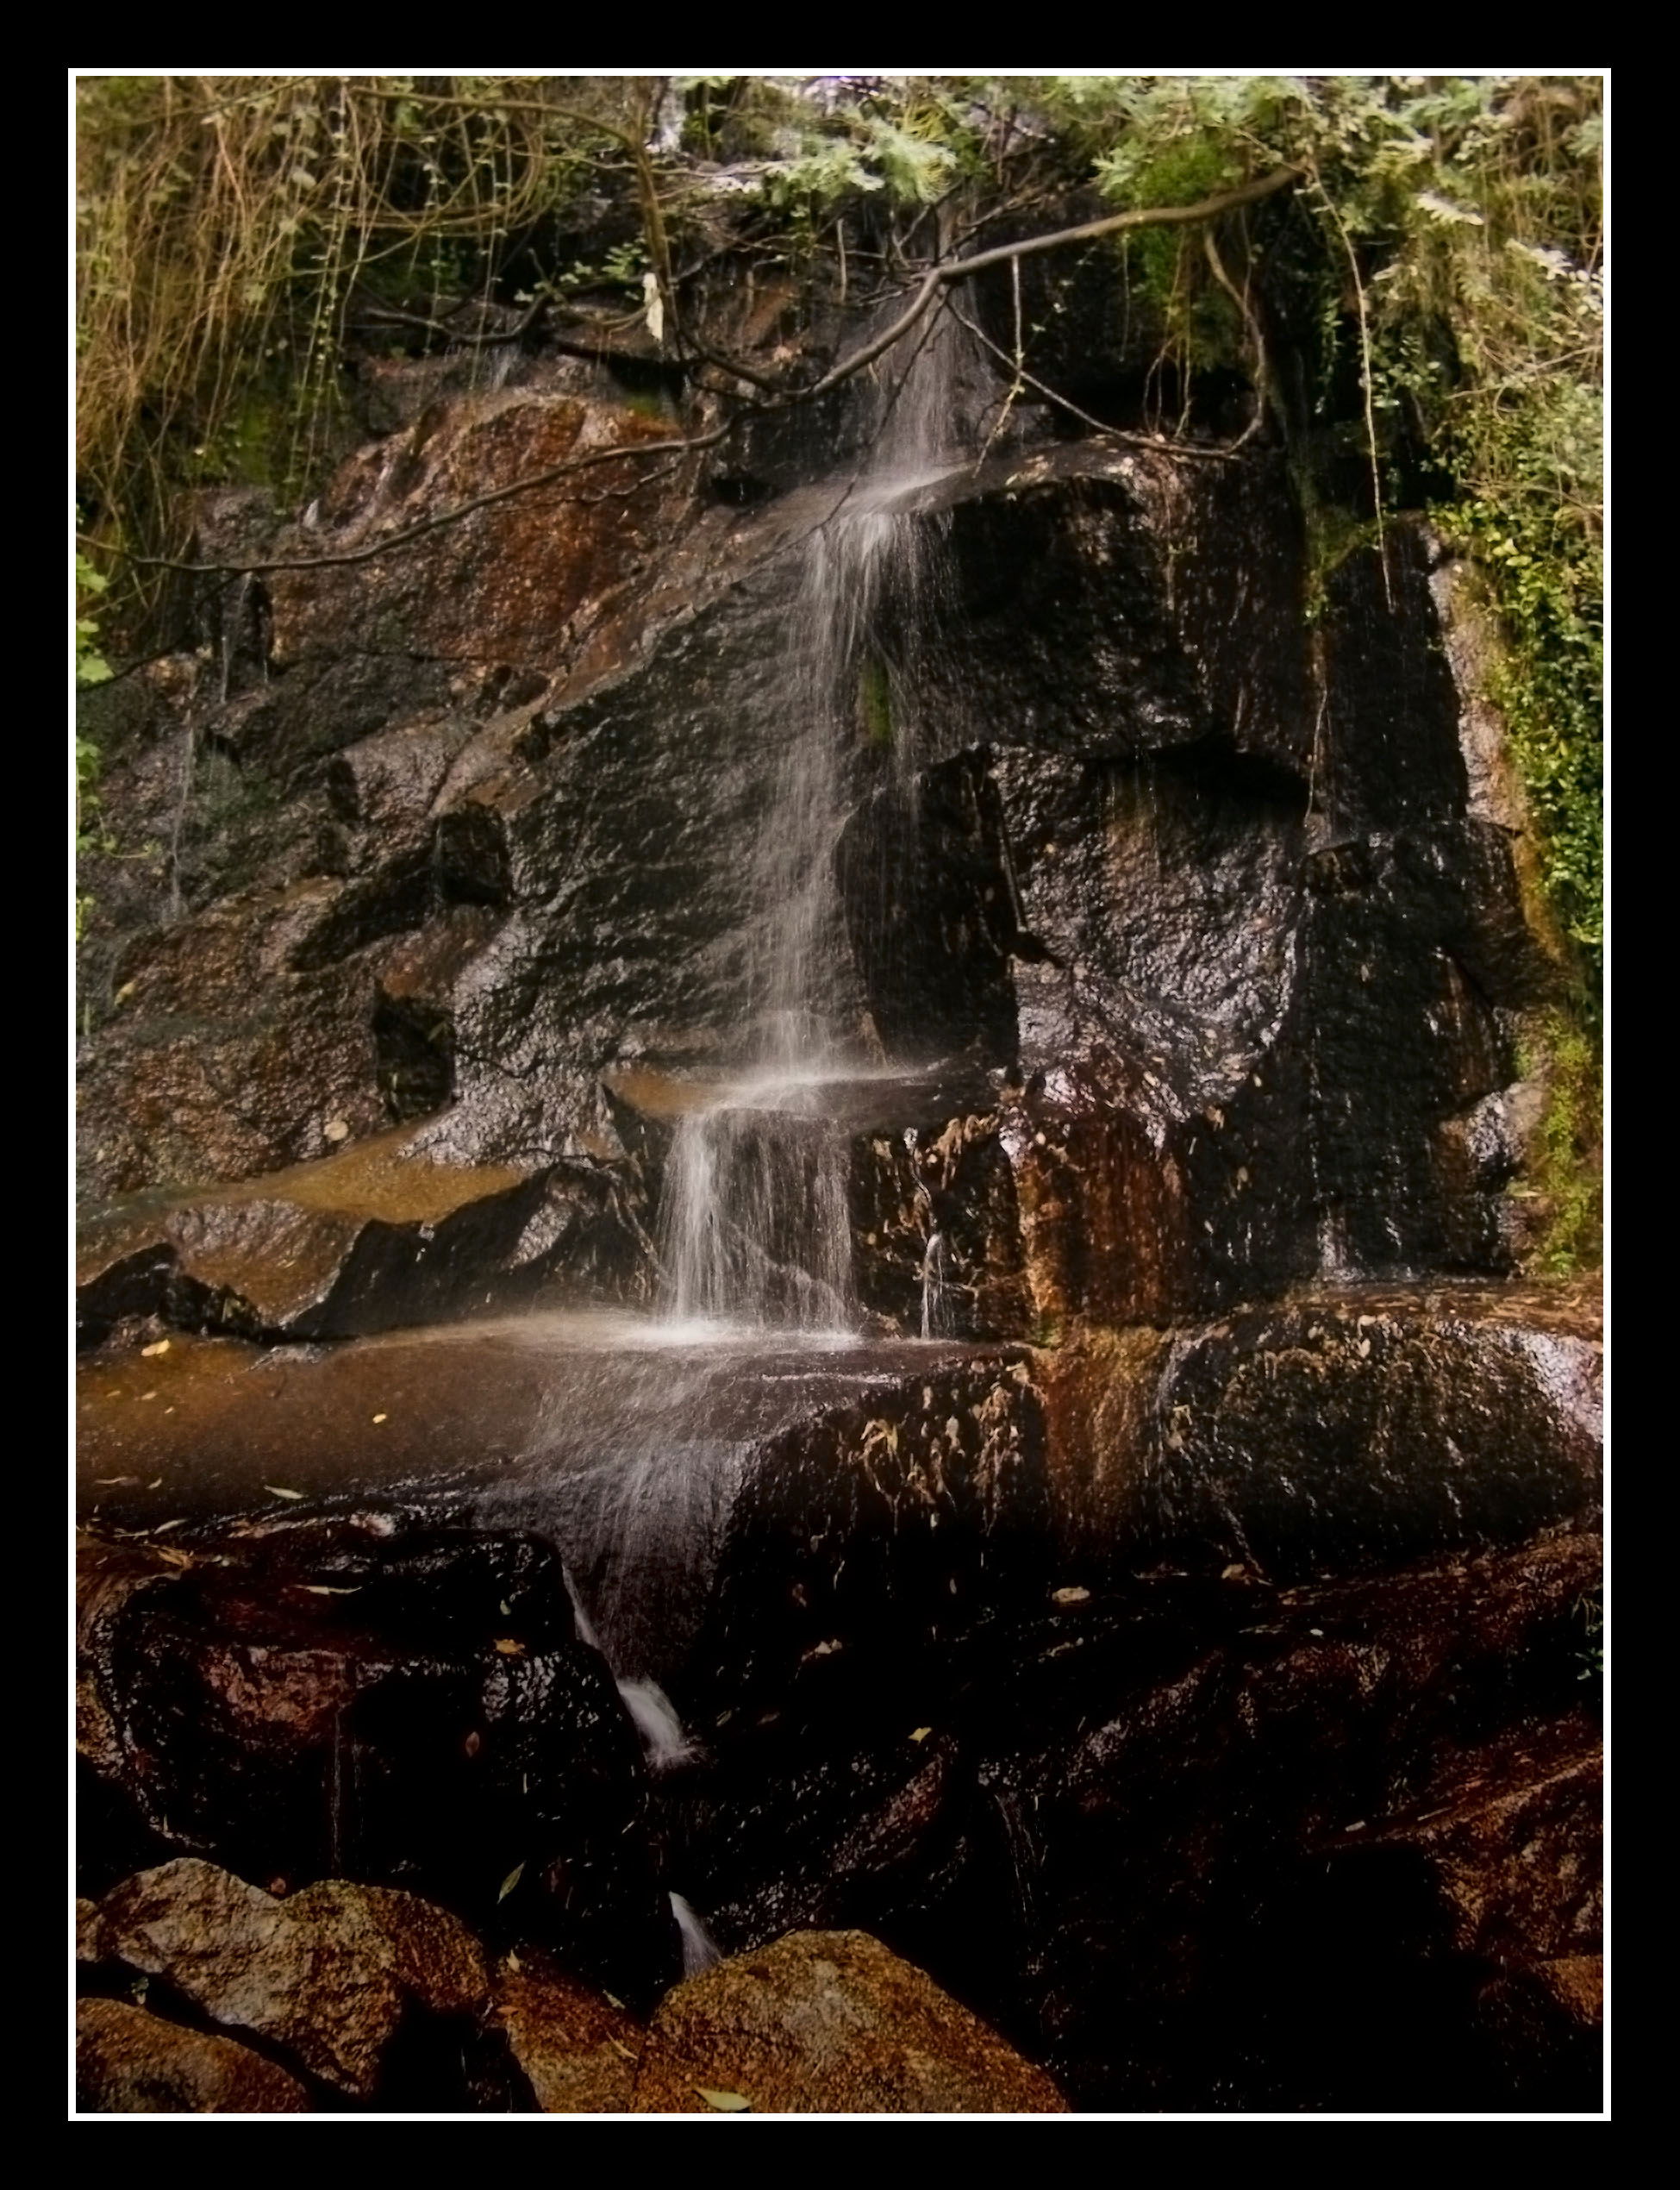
(1360, 1429)
(323, 1699)
(830, 2022)
(1173, 1833)
(130, 2063)
(375, 1237)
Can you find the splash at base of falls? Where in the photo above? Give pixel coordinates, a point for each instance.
(664, 1737)
(755, 1221)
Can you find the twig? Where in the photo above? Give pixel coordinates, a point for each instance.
(427, 524)
(1365, 380)
(1158, 443)
(1206, 209)
(933, 281)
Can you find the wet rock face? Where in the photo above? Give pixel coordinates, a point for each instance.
(375, 1238)
(1349, 1432)
(413, 1710)
(1211, 882)
(1196, 1842)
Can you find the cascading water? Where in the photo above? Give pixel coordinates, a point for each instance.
(754, 1223)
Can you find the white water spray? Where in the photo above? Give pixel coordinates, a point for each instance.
(754, 1222)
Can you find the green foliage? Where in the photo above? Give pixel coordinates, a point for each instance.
(875, 702)
(1565, 1171)
(91, 666)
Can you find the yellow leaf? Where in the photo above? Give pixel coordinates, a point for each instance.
(149, 1353)
(381, 1417)
(1069, 1596)
(921, 1733)
(275, 1490)
(508, 1646)
(727, 2102)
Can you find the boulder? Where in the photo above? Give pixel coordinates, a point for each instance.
(325, 1976)
(830, 2022)
(576, 2050)
(375, 1237)
(412, 1708)
(128, 2061)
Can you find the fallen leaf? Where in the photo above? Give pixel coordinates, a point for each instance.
(1069, 1596)
(148, 1395)
(382, 1417)
(113, 1480)
(275, 1490)
(1233, 1573)
(921, 1733)
(174, 1554)
(147, 1353)
(175, 1524)
(326, 1589)
(618, 2046)
(514, 1962)
(727, 2102)
(612, 1999)
(508, 1646)
(511, 1880)
(156, 1483)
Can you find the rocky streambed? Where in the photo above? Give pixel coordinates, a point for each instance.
(1204, 1783)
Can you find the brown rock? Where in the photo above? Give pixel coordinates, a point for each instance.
(577, 2051)
(90, 1933)
(831, 2022)
(130, 2063)
(327, 1975)
(1510, 1846)
(437, 1960)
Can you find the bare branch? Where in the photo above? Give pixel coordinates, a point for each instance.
(429, 524)
(933, 281)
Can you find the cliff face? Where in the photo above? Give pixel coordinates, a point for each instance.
(1191, 895)
(1191, 1637)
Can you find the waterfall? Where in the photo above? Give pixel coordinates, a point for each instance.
(754, 1223)
(700, 1950)
(933, 1288)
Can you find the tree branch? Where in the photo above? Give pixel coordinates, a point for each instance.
(427, 524)
(933, 281)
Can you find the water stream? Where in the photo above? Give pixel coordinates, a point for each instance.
(754, 1222)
